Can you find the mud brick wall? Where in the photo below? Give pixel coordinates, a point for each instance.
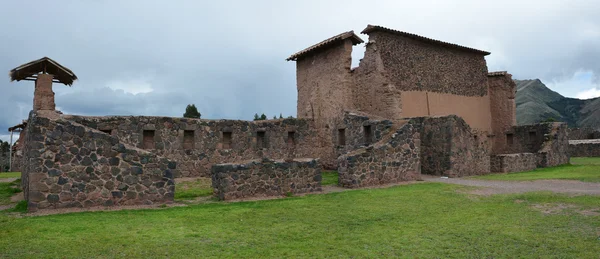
(502, 108)
(263, 178)
(197, 144)
(450, 147)
(393, 159)
(513, 162)
(583, 133)
(584, 148)
(70, 165)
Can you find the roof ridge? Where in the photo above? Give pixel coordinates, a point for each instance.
(326, 43)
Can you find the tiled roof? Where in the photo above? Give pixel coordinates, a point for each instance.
(326, 43)
(371, 28)
(497, 73)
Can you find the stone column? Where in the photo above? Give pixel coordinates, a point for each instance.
(43, 96)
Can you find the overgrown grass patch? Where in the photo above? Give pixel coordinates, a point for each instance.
(10, 175)
(329, 178)
(7, 190)
(426, 220)
(582, 169)
(200, 187)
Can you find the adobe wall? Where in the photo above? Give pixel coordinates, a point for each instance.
(70, 165)
(451, 148)
(475, 110)
(583, 133)
(263, 178)
(393, 159)
(208, 147)
(518, 162)
(502, 91)
(584, 148)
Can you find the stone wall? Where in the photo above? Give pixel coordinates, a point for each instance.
(450, 147)
(358, 130)
(209, 141)
(519, 162)
(70, 165)
(584, 148)
(555, 148)
(583, 133)
(393, 159)
(263, 178)
(503, 109)
(523, 139)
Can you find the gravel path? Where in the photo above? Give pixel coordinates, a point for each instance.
(497, 187)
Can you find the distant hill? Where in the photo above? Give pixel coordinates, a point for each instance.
(536, 103)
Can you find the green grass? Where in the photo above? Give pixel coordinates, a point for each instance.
(582, 169)
(329, 178)
(201, 187)
(7, 190)
(427, 220)
(585, 160)
(10, 175)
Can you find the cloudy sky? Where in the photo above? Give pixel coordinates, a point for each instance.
(227, 57)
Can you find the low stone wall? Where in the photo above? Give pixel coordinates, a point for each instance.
(451, 148)
(360, 130)
(393, 159)
(555, 148)
(70, 165)
(507, 163)
(197, 144)
(583, 133)
(263, 178)
(584, 148)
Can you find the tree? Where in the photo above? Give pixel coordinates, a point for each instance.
(256, 117)
(550, 119)
(274, 117)
(191, 112)
(263, 117)
(280, 116)
(4, 146)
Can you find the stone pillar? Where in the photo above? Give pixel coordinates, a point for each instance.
(43, 96)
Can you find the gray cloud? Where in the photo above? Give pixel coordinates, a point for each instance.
(227, 57)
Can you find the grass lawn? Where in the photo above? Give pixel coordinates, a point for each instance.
(7, 190)
(425, 220)
(329, 178)
(581, 168)
(200, 187)
(10, 175)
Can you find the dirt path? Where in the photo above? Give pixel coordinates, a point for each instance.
(498, 187)
(7, 180)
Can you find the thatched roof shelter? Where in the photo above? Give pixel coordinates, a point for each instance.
(45, 65)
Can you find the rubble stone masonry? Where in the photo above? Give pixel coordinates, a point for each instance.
(70, 165)
(584, 148)
(519, 162)
(264, 178)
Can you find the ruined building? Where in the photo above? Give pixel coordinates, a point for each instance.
(413, 106)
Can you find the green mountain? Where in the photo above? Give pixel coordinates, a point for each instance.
(536, 103)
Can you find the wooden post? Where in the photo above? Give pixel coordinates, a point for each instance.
(10, 152)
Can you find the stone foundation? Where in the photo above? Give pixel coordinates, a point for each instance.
(393, 159)
(264, 178)
(514, 162)
(584, 148)
(70, 165)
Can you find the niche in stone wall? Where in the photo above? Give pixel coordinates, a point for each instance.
(368, 134)
(148, 140)
(188, 139)
(261, 139)
(107, 131)
(227, 136)
(341, 137)
(509, 139)
(532, 136)
(291, 138)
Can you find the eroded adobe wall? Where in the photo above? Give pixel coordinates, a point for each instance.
(503, 109)
(450, 147)
(263, 178)
(393, 159)
(70, 165)
(584, 148)
(583, 133)
(208, 139)
(519, 162)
